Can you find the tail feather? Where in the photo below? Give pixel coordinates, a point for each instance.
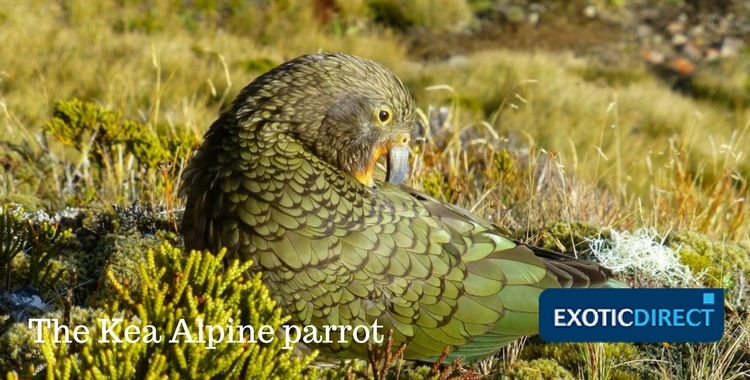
(575, 273)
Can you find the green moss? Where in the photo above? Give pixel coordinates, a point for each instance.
(505, 167)
(418, 373)
(719, 260)
(568, 237)
(114, 238)
(593, 359)
(126, 255)
(433, 183)
(538, 369)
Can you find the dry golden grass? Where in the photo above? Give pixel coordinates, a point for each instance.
(170, 75)
(609, 133)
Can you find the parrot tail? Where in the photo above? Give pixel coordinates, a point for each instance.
(575, 273)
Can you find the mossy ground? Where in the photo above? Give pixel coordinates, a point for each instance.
(104, 100)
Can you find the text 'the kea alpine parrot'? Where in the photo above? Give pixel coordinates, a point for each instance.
(285, 178)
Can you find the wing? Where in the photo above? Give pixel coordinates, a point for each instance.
(204, 207)
(334, 252)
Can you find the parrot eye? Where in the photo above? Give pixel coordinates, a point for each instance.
(384, 115)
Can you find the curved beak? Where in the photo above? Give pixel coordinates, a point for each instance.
(398, 164)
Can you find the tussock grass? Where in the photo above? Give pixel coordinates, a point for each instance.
(725, 359)
(612, 135)
(171, 74)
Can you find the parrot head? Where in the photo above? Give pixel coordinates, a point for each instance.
(367, 111)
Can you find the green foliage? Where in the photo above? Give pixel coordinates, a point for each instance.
(177, 286)
(122, 159)
(44, 271)
(505, 166)
(722, 262)
(434, 183)
(19, 351)
(28, 253)
(88, 240)
(538, 369)
(74, 121)
(568, 237)
(353, 13)
(596, 360)
(96, 239)
(418, 373)
(101, 132)
(14, 235)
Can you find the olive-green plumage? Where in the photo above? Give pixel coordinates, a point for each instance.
(277, 180)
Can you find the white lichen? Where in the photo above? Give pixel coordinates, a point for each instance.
(643, 252)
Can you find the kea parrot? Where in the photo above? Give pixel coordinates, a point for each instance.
(287, 177)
